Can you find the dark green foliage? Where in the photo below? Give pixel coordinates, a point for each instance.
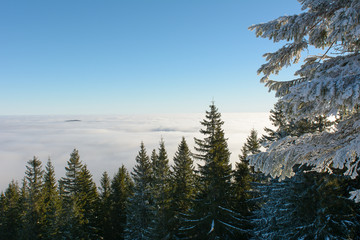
(80, 201)
(183, 181)
(160, 192)
(140, 211)
(308, 206)
(213, 217)
(88, 203)
(32, 227)
(51, 205)
(244, 176)
(10, 213)
(105, 207)
(121, 190)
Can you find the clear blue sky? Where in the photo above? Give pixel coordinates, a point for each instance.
(134, 56)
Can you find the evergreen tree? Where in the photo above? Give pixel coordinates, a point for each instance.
(52, 204)
(80, 198)
(105, 207)
(213, 217)
(244, 178)
(326, 85)
(121, 191)
(309, 205)
(88, 203)
(161, 192)
(183, 192)
(2, 215)
(10, 213)
(140, 211)
(34, 201)
(252, 143)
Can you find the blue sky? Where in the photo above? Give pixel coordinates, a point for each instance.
(134, 56)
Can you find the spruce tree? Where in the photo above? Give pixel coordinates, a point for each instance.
(10, 213)
(80, 198)
(161, 192)
(140, 211)
(51, 205)
(88, 203)
(105, 207)
(183, 190)
(213, 217)
(244, 179)
(121, 191)
(32, 228)
(309, 205)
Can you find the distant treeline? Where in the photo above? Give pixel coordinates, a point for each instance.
(182, 201)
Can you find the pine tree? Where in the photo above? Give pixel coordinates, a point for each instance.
(121, 192)
(34, 202)
(140, 211)
(52, 204)
(183, 181)
(213, 217)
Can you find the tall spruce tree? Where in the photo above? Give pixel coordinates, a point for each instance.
(121, 191)
(161, 192)
(51, 205)
(88, 203)
(183, 189)
(80, 198)
(213, 217)
(244, 178)
(32, 228)
(140, 211)
(105, 207)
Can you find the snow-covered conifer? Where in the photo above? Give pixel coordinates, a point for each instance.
(326, 85)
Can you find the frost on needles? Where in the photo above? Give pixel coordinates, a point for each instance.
(327, 85)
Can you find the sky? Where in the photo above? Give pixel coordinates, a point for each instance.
(134, 56)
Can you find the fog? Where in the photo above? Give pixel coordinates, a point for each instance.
(106, 142)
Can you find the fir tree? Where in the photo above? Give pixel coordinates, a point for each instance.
(327, 84)
(183, 189)
(140, 211)
(121, 191)
(10, 213)
(244, 178)
(79, 200)
(52, 204)
(309, 205)
(213, 217)
(161, 192)
(88, 203)
(34, 201)
(105, 207)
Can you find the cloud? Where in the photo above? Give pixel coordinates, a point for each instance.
(106, 142)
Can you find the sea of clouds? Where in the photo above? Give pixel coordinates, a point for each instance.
(107, 142)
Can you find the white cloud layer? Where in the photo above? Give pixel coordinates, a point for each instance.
(106, 142)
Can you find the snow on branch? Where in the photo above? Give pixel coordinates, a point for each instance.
(339, 149)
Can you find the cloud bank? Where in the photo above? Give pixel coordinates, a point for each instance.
(106, 142)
